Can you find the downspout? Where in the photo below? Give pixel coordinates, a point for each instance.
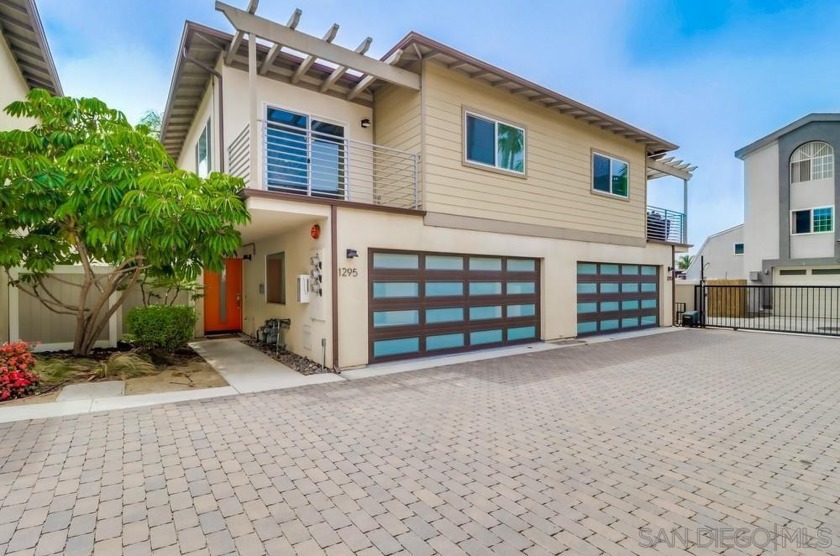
(334, 285)
(673, 285)
(221, 125)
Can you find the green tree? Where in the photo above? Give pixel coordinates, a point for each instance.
(84, 187)
(684, 262)
(151, 122)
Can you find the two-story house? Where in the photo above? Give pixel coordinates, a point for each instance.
(791, 187)
(419, 204)
(25, 63)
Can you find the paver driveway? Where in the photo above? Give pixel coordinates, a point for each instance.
(574, 449)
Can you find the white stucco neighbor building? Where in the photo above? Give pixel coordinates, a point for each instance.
(722, 254)
(791, 187)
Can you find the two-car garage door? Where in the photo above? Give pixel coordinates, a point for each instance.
(616, 297)
(434, 303)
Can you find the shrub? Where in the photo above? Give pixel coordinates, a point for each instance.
(160, 327)
(17, 379)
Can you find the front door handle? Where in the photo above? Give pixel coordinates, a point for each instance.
(239, 300)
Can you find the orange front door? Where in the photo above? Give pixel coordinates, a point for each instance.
(223, 298)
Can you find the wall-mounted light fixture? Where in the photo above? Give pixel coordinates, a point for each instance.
(366, 123)
(352, 253)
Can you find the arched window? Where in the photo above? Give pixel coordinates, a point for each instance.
(812, 161)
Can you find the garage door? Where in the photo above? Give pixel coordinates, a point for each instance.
(616, 297)
(435, 303)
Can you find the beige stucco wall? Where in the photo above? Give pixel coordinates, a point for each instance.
(13, 88)
(362, 229)
(308, 319)
(761, 207)
(557, 189)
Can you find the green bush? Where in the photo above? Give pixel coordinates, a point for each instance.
(161, 327)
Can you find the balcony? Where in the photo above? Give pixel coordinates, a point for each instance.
(321, 165)
(666, 226)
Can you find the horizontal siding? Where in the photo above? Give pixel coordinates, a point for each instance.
(397, 119)
(557, 189)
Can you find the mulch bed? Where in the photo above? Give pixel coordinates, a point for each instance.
(301, 364)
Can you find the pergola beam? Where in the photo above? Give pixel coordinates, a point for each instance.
(240, 35)
(368, 79)
(307, 62)
(340, 70)
(677, 170)
(275, 48)
(271, 31)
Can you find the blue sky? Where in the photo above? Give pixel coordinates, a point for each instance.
(709, 75)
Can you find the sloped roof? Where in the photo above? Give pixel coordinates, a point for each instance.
(21, 27)
(767, 139)
(415, 45)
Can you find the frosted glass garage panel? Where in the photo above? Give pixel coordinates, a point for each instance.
(485, 263)
(587, 288)
(521, 287)
(587, 268)
(395, 289)
(485, 337)
(396, 318)
(485, 288)
(587, 327)
(400, 346)
(648, 271)
(444, 289)
(609, 269)
(521, 265)
(395, 260)
(483, 313)
(526, 310)
(441, 262)
(444, 341)
(444, 314)
(522, 333)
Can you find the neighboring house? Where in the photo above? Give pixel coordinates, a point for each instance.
(421, 204)
(791, 187)
(722, 255)
(25, 63)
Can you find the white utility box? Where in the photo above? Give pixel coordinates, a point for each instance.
(303, 286)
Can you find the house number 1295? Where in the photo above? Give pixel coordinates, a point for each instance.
(345, 272)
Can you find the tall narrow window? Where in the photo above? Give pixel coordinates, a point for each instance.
(202, 152)
(275, 278)
(494, 143)
(812, 161)
(610, 175)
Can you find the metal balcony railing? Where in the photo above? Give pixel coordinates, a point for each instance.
(306, 162)
(666, 225)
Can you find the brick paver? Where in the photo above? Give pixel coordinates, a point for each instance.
(577, 449)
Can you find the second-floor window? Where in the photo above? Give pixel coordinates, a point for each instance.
(812, 221)
(494, 143)
(610, 175)
(812, 161)
(202, 152)
(739, 248)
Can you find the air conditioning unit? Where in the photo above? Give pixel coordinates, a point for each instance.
(303, 287)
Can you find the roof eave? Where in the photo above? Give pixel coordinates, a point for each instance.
(771, 137)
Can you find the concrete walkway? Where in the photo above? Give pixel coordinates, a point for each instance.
(249, 370)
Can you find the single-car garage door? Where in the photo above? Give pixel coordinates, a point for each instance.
(616, 297)
(434, 303)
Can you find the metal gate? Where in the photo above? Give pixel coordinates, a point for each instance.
(799, 309)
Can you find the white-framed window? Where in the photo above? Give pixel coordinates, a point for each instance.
(610, 175)
(812, 161)
(491, 142)
(202, 152)
(818, 220)
(739, 248)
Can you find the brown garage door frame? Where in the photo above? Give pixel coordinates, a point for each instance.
(466, 301)
(618, 297)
